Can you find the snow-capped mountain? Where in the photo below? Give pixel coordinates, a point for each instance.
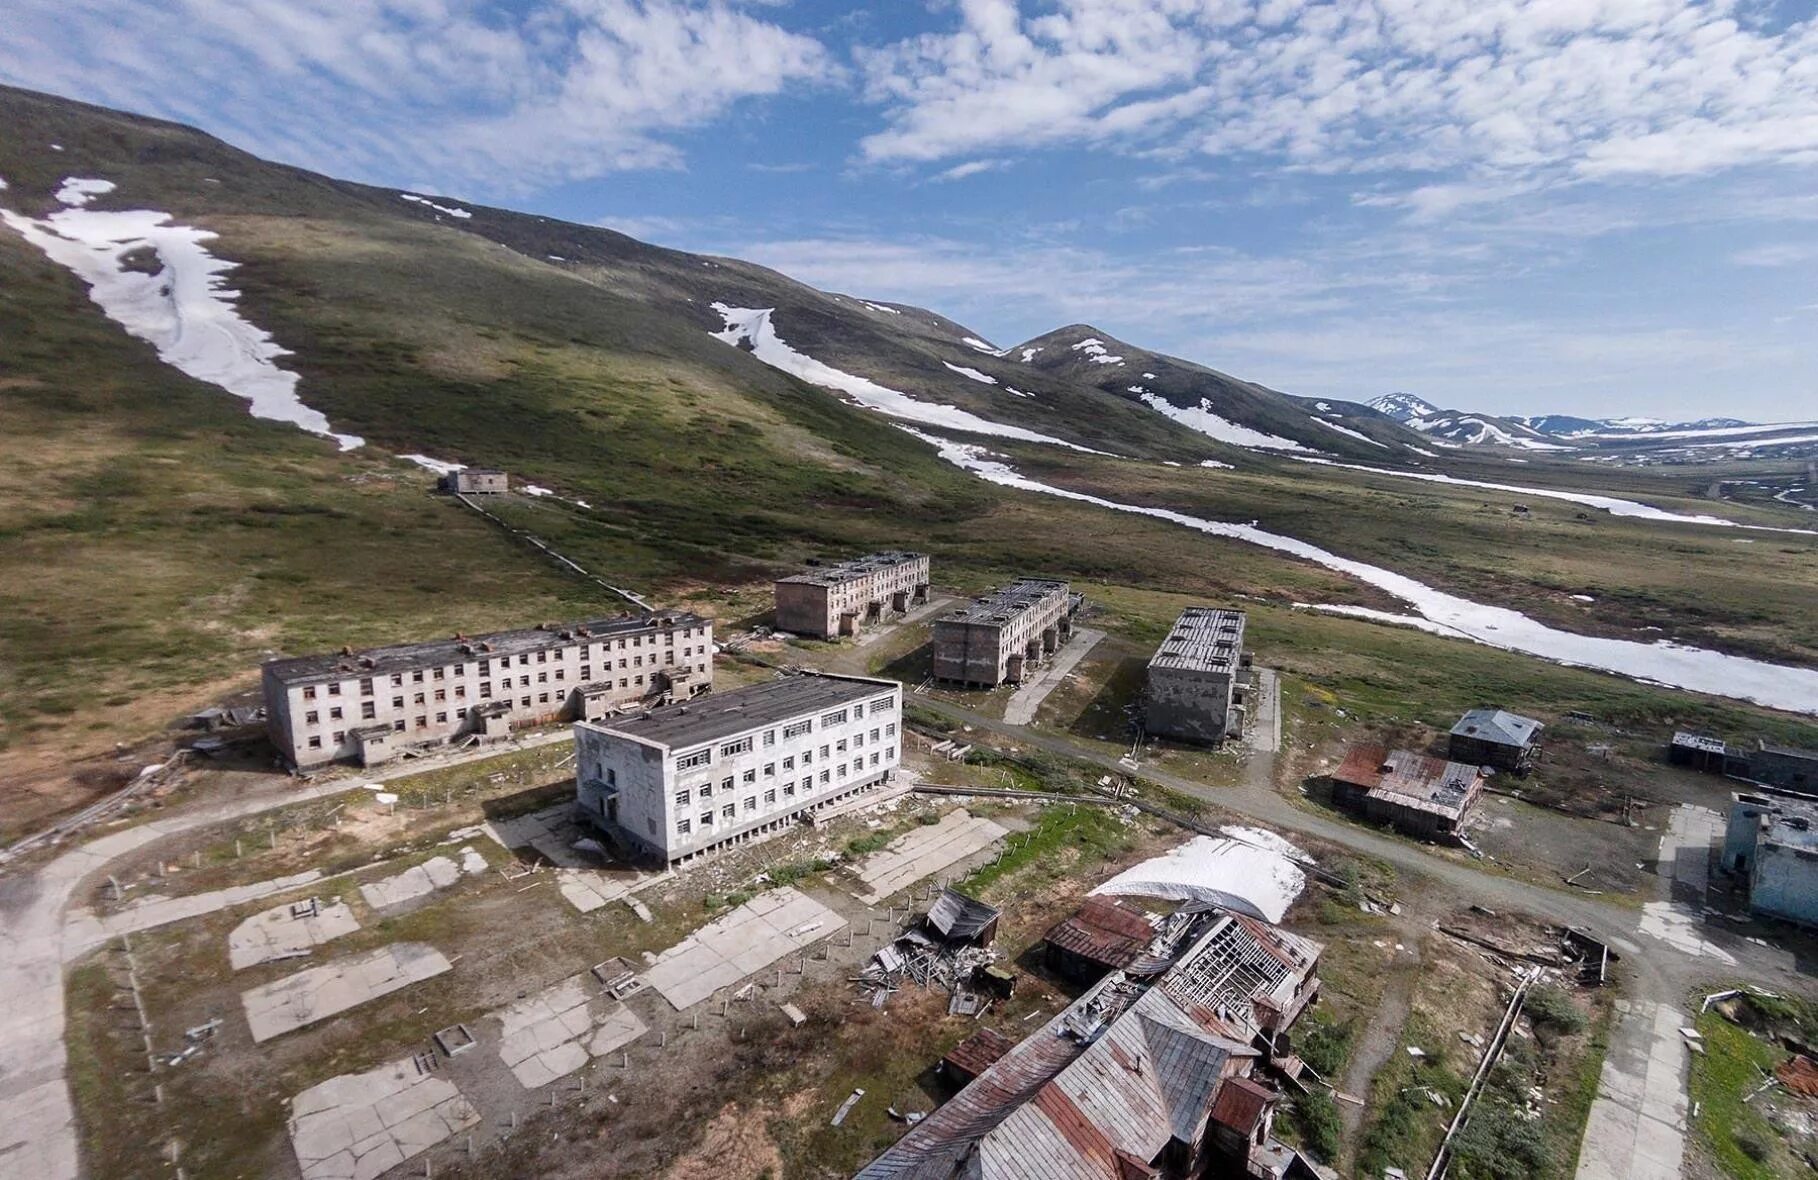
(1568, 426)
(1402, 406)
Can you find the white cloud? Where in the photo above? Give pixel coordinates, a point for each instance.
(1492, 97)
(387, 90)
(1776, 254)
(970, 168)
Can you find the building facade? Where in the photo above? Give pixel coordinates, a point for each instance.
(830, 601)
(688, 779)
(1193, 677)
(1002, 636)
(1784, 766)
(368, 706)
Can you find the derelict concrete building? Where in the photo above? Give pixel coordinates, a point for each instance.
(1193, 677)
(830, 601)
(693, 777)
(371, 705)
(999, 637)
(1771, 843)
(484, 481)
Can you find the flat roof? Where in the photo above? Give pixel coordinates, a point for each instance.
(854, 568)
(1698, 741)
(723, 714)
(1767, 747)
(407, 657)
(1010, 599)
(1790, 822)
(1204, 638)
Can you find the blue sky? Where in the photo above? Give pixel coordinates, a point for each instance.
(1589, 206)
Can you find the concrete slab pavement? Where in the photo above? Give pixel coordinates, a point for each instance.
(299, 1000)
(922, 852)
(281, 932)
(769, 927)
(420, 880)
(553, 1033)
(1020, 708)
(1636, 1129)
(359, 1126)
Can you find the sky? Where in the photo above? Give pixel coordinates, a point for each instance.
(1599, 207)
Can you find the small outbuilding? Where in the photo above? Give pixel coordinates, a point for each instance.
(1495, 737)
(1697, 751)
(956, 918)
(1105, 935)
(974, 1055)
(481, 481)
(1413, 793)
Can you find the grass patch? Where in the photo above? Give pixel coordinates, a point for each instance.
(1738, 1135)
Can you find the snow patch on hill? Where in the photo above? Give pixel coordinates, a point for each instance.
(974, 342)
(753, 325)
(1402, 406)
(881, 307)
(182, 309)
(451, 210)
(1095, 350)
(1029, 353)
(436, 465)
(1203, 419)
(1358, 435)
(77, 192)
(973, 374)
(1775, 686)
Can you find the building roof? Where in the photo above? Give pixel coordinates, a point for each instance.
(957, 916)
(1698, 741)
(1204, 638)
(1406, 779)
(407, 657)
(1791, 822)
(1104, 931)
(1799, 752)
(980, 1051)
(1105, 1086)
(853, 569)
(1241, 1104)
(1006, 601)
(1241, 974)
(1498, 726)
(723, 714)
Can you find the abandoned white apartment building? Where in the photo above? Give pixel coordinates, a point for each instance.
(1001, 636)
(689, 778)
(371, 705)
(1194, 694)
(830, 601)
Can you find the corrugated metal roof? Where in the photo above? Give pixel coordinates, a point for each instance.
(1105, 932)
(1241, 1104)
(1415, 781)
(957, 916)
(980, 1051)
(1497, 725)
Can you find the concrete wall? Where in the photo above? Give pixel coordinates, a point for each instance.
(987, 652)
(767, 776)
(1783, 770)
(1189, 704)
(1784, 883)
(619, 784)
(1742, 831)
(539, 686)
(483, 482)
(811, 608)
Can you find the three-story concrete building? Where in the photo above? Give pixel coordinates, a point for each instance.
(830, 601)
(1003, 635)
(688, 779)
(369, 705)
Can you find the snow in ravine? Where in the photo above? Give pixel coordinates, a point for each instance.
(1358, 435)
(753, 324)
(1776, 686)
(1202, 419)
(1610, 504)
(451, 210)
(435, 465)
(1014, 390)
(975, 343)
(1246, 869)
(1095, 349)
(1029, 353)
(974, 374)
(183, 310)
(1216, 464)
(881, 307)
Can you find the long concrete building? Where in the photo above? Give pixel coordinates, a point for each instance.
(370, 705)
(830, 601)
(1193, 677)
(685, 780)
(1003, 635)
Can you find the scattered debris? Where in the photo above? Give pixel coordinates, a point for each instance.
(839, 1116)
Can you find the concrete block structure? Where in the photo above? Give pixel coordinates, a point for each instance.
(483, 481)
(1770, 842)
(369, 706)
(1495, 737)
(830, 601)
(1422, 796)
(1004, 635)
(688, 779)
(1193, 685)
(1784, 766)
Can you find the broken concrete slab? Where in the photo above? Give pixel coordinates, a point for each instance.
(299, 1000)
(553, 1033)
(750, 938)
(589, 889)
(359, 1126)
(286, 931)
(550, 831)
(438, 872)
(924, 852)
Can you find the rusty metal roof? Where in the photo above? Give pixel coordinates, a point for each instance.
(1241, 1104)
(1104, 931)
(1415, 781)
(980, 1051)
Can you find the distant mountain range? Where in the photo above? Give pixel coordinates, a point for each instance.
(1556, 432)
